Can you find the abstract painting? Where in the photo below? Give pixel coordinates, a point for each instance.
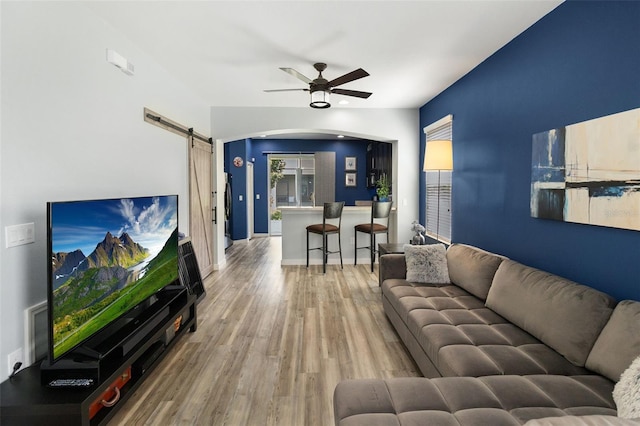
(589, 172)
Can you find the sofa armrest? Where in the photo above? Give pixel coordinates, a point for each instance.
(392, 266)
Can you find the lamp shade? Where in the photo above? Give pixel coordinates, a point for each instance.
(320, 99)
(438, 155)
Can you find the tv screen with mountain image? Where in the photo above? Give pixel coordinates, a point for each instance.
(107, 257)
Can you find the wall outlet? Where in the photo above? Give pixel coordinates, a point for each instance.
(13, 358)
(352, 241)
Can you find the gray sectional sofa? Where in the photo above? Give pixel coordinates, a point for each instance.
(500, 344)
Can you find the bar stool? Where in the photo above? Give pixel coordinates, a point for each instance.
(379, 210)
(331, 211)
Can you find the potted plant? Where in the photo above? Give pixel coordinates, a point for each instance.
(276, 222)
(276, 215)
(276, 174)
(383, 188)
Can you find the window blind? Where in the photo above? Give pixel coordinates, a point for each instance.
(438, 187)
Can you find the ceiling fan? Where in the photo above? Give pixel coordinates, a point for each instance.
(321, 88)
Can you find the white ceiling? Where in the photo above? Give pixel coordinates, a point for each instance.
(228, 52)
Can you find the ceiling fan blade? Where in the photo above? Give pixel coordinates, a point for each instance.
(353, 75)
(296, 74)
(286, 90)
(355, 93)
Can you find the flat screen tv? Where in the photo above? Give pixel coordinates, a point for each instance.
(106, 258)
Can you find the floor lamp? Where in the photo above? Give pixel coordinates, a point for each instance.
(438, 155)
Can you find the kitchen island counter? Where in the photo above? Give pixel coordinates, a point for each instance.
(294, 235)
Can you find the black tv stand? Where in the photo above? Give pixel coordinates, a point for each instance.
(129, 355)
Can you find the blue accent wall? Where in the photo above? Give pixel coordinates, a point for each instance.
(255, 150)
(342, 149)
(580, 62)
(238, 219)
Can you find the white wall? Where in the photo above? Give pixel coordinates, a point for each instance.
(398, 125)
(72, 128)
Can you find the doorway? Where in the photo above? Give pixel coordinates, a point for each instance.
(292, 184)
(250, 202)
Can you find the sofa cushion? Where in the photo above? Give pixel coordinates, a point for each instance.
(495, 400)
(405, 297)
(484, 349)
(392, 265)
(565, 315)
(472, 268)
(619, 343)
(462, 337)
(493, 359)
(426, 263)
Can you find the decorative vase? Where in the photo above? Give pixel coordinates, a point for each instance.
(418, 240)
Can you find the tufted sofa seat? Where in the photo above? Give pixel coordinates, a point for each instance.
(459, 336)
(496, 316)
(501, 344)
(463, 401)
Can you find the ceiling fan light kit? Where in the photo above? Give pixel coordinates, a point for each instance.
(320, 99)
(321, 88)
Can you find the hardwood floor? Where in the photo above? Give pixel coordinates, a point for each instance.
(271, 345)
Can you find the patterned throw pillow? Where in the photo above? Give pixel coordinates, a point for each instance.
(426, 263)
(626, 393)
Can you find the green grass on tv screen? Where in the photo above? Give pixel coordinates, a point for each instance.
(72, 325)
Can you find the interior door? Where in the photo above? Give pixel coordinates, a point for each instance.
(250, 202)
(201, 203)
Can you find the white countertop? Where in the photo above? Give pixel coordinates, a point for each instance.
(307, 209)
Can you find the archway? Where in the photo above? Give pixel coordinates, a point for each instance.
(300, 137)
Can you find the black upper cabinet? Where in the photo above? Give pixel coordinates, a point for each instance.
(379, 162)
